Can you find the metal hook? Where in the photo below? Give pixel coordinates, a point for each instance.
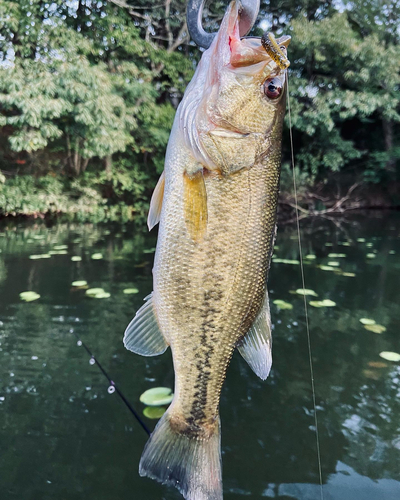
(194, 14)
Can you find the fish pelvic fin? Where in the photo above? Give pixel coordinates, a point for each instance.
(156, 203)
(195, 205)
(256, 345)
(191, 463)
(143, 335)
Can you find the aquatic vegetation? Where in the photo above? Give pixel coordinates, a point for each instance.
(350, 275)
(282, 304)
(76, 258)
(157, 396)
(287, 261)
(367, 321)
(129, 291)
(29, 296)
(97, 293)
(41, 256)
(154, 412)
(322, 303)
(79, 283)
(326, 268)
(97, 256)
(333, 264)
(375, 328)
(337, 255)
(309, 256)
(306, 291)
(390, 356)
(370, 256)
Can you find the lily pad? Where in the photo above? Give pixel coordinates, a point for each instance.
(369, 245)
(377, 364)
(157, 396)
(375, 328)
(367, 321)
(76, 258)
(129, 291)
(61, 247)
(97, 256)
(337, 255)
(79, 283)
(370, 256)
(283, 304)
(41, 256)
(372, 374)
(361, 240)
(29, 296)
(154, 412)
(310, 256)
(392, 252)
(58, 252)
(350, 275)
(306, 291)
(94, 291)
(329, 244)
(322, 303)
(101, 295)
(327, 268)
(333, 264)
(390, 356)
(287, 261)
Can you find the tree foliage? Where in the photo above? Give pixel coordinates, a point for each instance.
(88, 92)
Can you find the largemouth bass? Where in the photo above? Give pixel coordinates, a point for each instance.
(216, 203)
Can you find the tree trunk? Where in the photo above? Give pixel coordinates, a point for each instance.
(388, 136)
(108, 165)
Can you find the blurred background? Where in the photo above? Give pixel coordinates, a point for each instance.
(88, 92)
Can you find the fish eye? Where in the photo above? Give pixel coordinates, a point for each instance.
(273, 87)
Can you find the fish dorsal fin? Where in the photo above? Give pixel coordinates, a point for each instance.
(143, 335)
(195, 205)
(255, 347)
(156, 203)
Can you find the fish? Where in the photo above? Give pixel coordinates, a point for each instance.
(216, 205)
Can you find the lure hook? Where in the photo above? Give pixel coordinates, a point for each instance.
(194, 14)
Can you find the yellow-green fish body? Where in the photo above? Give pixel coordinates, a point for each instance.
(216, 203)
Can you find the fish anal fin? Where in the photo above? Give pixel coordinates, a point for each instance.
(195, 205)
(156, 203)
(256, 345)
(143, 335)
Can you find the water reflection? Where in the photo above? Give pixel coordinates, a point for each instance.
(63, 435)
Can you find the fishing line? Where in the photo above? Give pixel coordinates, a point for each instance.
(304, 295)
(112, 387)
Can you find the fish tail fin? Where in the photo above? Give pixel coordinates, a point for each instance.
(190, 462)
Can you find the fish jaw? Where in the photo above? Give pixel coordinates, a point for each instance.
(225, 117)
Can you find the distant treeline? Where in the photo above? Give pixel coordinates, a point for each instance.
(88, 92)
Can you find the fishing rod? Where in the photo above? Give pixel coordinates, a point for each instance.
(112, 387)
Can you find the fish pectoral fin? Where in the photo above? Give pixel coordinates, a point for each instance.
(156, 203)
(256, 345)
(195, 205)
(143, 335)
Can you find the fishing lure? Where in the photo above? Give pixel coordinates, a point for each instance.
(276, 52)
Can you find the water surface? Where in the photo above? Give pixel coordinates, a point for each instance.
(62, 436)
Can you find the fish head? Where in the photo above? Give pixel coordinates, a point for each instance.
(236, 99)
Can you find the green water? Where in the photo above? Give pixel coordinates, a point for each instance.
(62, 436)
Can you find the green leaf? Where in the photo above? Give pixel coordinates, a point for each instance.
(129, 291)
(305, 291)
(154, 412)
(322, 303)
(281, 304)
(367, 321)
(79, 283)
(97, 256)
(375, 328)
(157, 396)
(390, 356)
(29, 296)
